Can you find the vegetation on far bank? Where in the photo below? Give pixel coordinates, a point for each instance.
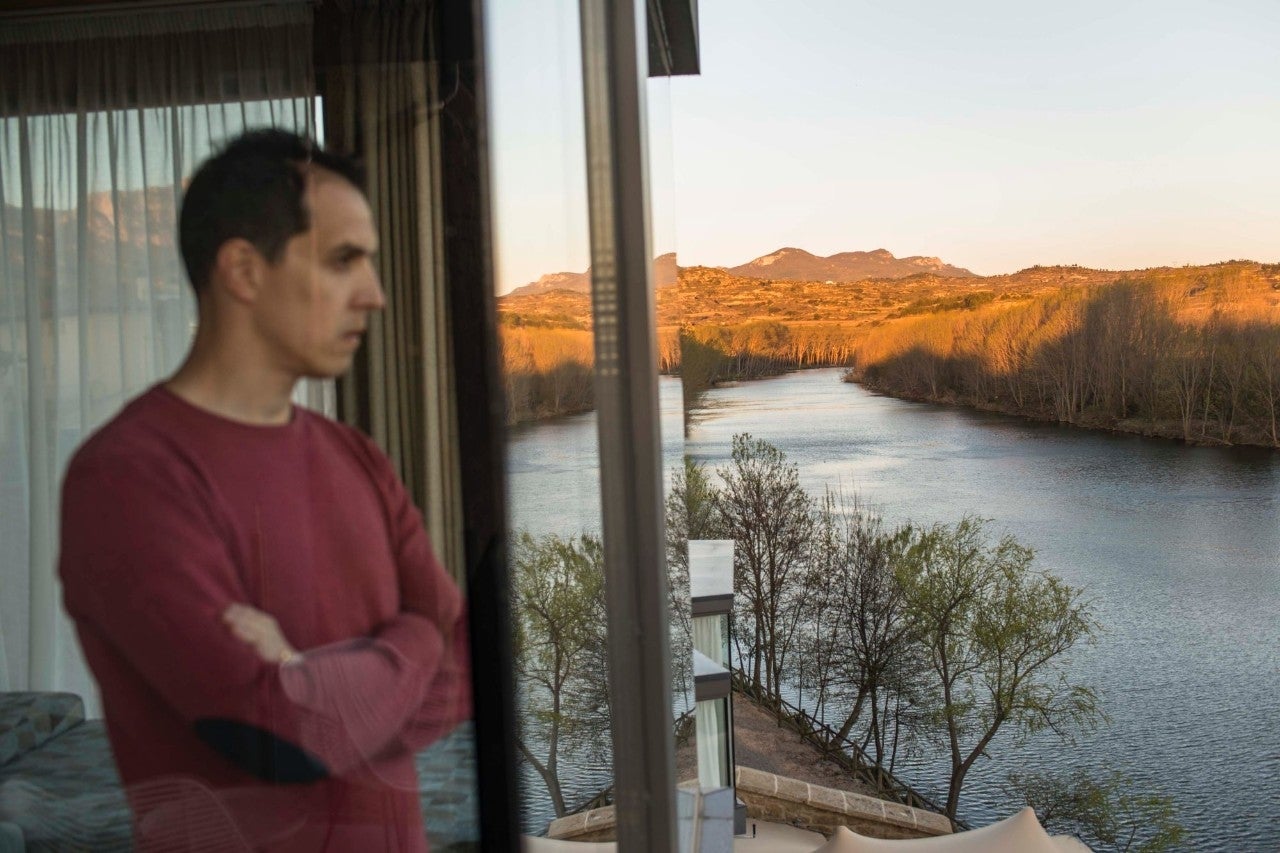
(547, 372)
(751, 327)
(1190, 353)
(1193, 355)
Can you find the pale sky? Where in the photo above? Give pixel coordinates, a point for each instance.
(995, 135)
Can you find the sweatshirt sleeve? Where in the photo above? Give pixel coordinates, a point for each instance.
(145, 564)
(426, 589)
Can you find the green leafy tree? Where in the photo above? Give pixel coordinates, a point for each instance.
(560, 651)
(1106, 815)
(996, 634)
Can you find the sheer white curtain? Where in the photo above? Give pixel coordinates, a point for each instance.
(101, 120)
(711, 730)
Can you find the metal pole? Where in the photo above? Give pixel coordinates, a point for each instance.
(614, 70)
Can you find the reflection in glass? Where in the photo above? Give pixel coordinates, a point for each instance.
(102, 121)
(546, 322)
(543, 283)
(711, 597)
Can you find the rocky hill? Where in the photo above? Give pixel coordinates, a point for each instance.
(664, 271)
(786, 264)
(798, 265)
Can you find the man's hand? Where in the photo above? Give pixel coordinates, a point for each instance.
(261, 631)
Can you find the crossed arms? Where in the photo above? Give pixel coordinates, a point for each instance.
(144, 568)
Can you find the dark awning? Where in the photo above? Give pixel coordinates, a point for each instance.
(673, 37)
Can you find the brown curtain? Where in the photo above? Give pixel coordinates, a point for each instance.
(378, 99)
(160, 58)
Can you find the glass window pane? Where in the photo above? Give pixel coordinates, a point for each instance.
(336, 714)
(543, 281)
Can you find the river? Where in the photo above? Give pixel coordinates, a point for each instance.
(1179, 548)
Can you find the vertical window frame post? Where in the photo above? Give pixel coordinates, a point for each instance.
(614, 70)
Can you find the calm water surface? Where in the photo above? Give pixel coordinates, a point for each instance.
(1179, 547)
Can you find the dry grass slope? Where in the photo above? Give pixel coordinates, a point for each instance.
(1192, 354)
(984, 341)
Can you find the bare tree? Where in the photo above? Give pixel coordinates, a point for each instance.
(1264, 349)
(860, 644)
(763, 508)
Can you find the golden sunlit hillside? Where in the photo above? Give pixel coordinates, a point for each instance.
(1192, 354)
(992, 342)
(713, 295)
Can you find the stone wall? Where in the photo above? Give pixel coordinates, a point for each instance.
(779, 799)
(595, 825)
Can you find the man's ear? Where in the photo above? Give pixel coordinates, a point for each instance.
(238, 268)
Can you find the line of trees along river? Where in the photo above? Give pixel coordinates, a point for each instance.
(1133, 355)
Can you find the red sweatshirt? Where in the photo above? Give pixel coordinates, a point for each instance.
(169, 515)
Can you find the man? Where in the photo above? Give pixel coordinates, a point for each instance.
(253, 589)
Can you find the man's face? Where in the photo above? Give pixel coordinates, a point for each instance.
(316, 300)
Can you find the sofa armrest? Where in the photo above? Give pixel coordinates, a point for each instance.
(11, 838)
(29, 720)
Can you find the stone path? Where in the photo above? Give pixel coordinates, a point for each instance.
(759, 742)
(447, 772)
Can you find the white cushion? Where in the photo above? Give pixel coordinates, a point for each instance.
(533, 844)
(1021, 833)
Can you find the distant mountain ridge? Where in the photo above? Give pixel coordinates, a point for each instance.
(792, 264)
(580, 282)
(717, 296)
(786, 264)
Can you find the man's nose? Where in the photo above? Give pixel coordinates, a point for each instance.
(375, 299)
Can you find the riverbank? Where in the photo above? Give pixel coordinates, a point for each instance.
(577, 395)
(1144, 526)
(1169, 430)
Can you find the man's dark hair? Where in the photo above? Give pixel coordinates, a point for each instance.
(254, 188)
